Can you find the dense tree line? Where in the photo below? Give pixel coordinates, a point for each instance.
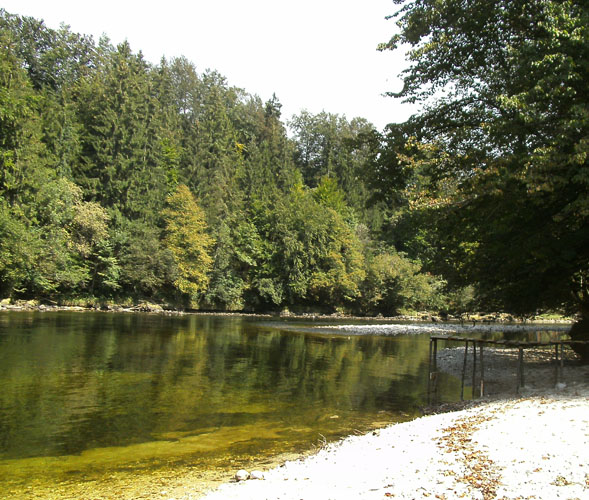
(122, 179)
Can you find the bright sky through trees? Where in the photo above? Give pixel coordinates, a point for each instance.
(315, 55)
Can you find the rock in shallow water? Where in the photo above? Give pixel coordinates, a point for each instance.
(242, 475)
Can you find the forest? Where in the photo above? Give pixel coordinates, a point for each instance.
(123, 180)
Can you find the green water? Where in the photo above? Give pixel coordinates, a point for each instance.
(92, 402)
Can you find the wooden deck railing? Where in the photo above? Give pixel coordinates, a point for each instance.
(432, 387)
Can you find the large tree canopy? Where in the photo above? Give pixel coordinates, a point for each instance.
(497, 158)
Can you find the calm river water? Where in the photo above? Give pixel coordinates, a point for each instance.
(101, 399)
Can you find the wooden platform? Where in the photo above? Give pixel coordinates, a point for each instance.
(479, 344)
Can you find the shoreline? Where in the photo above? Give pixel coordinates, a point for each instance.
(503, 448)
(498, 446)
(478, 319)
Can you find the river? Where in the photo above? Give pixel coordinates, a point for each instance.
(102, 405)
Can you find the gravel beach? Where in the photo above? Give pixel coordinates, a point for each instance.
(533, 446)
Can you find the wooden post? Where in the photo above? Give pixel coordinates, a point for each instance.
(429, 371)
(520, 370)
(556, 367)
(474, 367)
(435, 371)
(463, 371)
(482, 391)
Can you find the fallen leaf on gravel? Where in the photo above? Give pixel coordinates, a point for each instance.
(561, 481)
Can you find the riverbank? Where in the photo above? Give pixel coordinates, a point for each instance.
(478, 320)
(534, 446)
(202, 450)
(512, 448)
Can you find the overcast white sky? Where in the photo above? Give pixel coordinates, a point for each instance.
(314, 54)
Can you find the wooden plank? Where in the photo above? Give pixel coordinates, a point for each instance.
(521, 382)
(429, 371)
(561, 361)
(556, 374)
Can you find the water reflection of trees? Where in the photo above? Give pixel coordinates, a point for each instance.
(75, 381)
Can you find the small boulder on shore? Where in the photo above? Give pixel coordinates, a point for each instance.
(256, 474)
(242, 475)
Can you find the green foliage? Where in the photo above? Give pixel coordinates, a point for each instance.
(317, 253)
(328, 194)
(21, 152)
(498, 156)
(52, 58)
(264, 149)
(18, 246)
(125, 165)
(103, 156)
(395, 284)
(186, 238)
(239, 259)
(328, 145)
(59, 248)
(146, 266)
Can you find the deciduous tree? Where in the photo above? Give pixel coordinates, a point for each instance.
(503, 89)
(187, 239)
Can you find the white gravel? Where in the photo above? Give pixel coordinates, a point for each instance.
(535, 447)
(444, 328)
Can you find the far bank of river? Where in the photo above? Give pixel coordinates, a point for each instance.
(154, 308)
